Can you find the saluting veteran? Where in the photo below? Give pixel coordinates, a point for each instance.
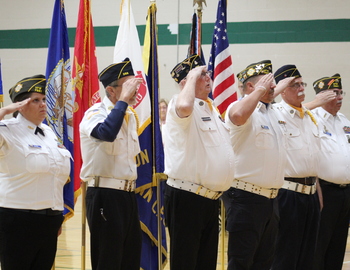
(199, 163)
(299, 207)
(334, 176)
(34, 166)
(109, 144)
(257, 141)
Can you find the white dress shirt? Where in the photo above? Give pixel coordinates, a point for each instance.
(302, 141)
(334, 158)
(108, 159)
(259, 149)
(197, 148)
(33, 168)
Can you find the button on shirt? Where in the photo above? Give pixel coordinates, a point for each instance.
(302, 141)
(197, 148)
(334, 161)
(108, 159)
(33, 168)
(258, 147)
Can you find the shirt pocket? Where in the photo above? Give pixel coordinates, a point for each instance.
(37, 159)
(264, 139)
(294, 140)
(64, 161)
(209, 133)
(328, 143)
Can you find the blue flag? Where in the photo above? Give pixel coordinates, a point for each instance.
(58, 96)
(150, 161)
(151, 192)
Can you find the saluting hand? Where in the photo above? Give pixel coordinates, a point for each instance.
(129, 89)
(282, 85)
(13, 107)
(265, 83)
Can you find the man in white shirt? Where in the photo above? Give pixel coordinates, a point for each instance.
(298, 202)
(199, 164)
(257, 140)
(334, 176)
(109, 144)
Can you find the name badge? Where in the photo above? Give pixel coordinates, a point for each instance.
(34, 146)
(206, 118)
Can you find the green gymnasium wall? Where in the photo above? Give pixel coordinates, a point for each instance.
(336, 30)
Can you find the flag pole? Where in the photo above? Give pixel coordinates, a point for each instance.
(83, 184)
(223, 231)
(199, 14)
(158, 176)
(83, 225)
(1, 90)
(223, 218)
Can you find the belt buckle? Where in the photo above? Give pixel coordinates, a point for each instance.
(198, 191)
(96, 181)
(303, 189)
(128, 185)
(274, 192)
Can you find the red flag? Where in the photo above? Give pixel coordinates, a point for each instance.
(85, 78)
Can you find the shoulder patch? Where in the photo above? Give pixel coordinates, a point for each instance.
(91, 113)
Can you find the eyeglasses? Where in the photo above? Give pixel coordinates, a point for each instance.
(339, 93)
(298, 85)
(208, 72)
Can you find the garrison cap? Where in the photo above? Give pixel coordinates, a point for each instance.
(286, 71)
(255, 69)
(327, 83)
(115, 72)
(34, 84)
(181, 70)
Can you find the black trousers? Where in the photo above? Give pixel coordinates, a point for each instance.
(252, 224)
(193, 223)
(334, 226)
(298, 230)
(28, 241)
(115, 232)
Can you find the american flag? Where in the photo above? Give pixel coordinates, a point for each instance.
(220, 63)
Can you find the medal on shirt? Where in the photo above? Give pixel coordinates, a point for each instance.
(325, 131)
(347, 132)
(282, 124)
(346, 129)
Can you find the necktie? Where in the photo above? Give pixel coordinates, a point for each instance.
(209, 104)
(39, 130)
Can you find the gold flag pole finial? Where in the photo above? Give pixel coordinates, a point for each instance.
(199, 3)
(199, 14)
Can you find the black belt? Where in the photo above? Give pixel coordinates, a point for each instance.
(47, 212)
(324, 182)
(309, 181)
